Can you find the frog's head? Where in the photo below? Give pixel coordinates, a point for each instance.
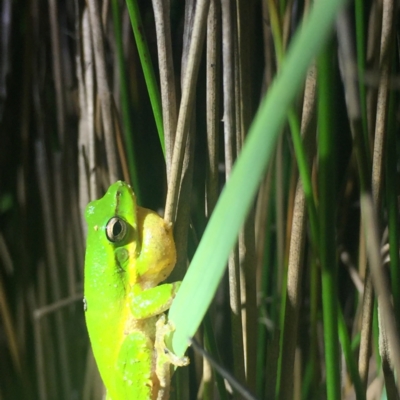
(141, 241)
(113, 231)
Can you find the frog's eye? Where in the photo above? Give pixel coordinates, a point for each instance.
(116, 229)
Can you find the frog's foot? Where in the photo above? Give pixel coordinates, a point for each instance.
(163, 329)
(165, 358)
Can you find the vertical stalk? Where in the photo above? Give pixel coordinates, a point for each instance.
(103, 90)
(230, 155)
(326, 186)
(167, 79)
(391, 200)
(125, 100)
(148, 70)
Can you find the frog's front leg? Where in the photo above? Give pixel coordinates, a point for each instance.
(154, 301)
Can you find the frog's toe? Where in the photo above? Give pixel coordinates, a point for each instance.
(164, 328)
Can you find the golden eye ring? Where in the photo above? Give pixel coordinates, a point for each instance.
(116, 229)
